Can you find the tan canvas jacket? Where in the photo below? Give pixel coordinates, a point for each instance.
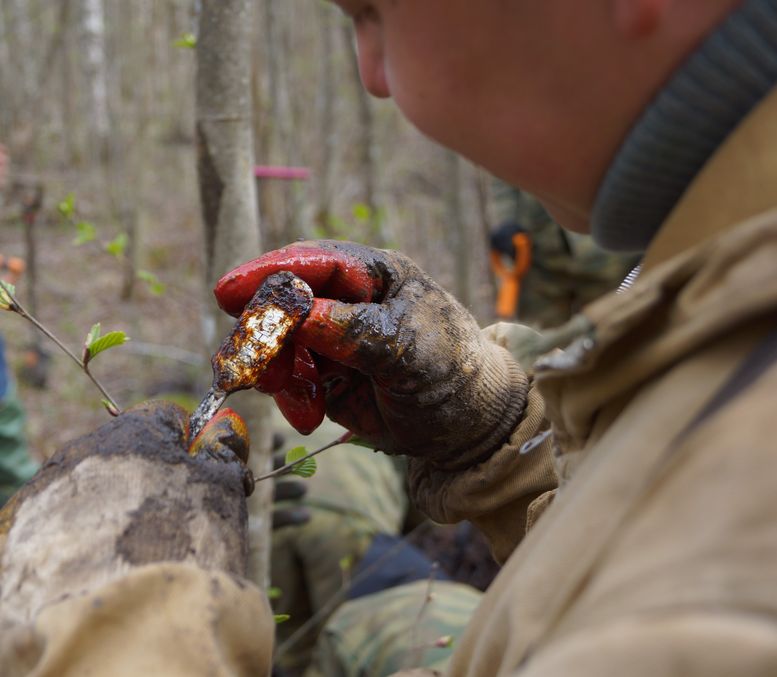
(658, 555)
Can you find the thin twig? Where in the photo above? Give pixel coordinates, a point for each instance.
(283, 470)
(114, 409)
(19, 309)
(428, 596)
(417, 653)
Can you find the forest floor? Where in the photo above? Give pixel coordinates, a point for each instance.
(79, 285)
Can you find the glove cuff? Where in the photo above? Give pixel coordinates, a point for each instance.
(491, 409)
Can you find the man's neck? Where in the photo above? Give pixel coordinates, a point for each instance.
(733, 70)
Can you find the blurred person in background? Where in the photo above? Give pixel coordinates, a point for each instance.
(362, 555)
(566, 271)
(16, 465)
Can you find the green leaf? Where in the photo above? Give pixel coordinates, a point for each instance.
(118, 245)
(93, 335)
(346, 563)
(6, 289)
(67, 206)
(280, 618)
(86, 232)
(156, 287)
(306, 468)
(362, 212)
(102, 343)
(295, 454)
(187, 41)
(274, 592)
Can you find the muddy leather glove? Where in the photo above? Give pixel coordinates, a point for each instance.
(399, 361)
(124, 496)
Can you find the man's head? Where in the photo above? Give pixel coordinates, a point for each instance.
(540, 92)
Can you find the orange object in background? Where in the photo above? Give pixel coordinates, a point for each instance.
(11, 268)
(509, 278)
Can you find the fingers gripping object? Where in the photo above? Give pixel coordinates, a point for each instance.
(387, 352)
(292, 378)
(276, 310)
(329, 270)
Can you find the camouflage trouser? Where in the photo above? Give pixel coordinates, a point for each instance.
(16, 466)
(356, 499)
(310, 566)
(355, 495)
(380, 634)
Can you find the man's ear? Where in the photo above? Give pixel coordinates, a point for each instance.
(639, 18)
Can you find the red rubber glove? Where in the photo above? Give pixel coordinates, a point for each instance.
(387, 353)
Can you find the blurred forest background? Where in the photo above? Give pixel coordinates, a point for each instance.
(97, 112)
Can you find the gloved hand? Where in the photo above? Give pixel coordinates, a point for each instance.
(126, 495)
(400, 362)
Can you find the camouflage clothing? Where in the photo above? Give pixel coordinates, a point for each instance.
(356, 499)
(16, 466)
(395, 629)
(568, 270)
(354, 495)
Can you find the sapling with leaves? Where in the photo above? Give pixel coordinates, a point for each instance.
(262, 331)
(94, 343)
(280, 305)
(301, 462)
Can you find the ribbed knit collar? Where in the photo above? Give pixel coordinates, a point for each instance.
(693, 114)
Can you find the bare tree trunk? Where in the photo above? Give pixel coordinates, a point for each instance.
(130, 117)
(32, 203)
(365, 143)
(178, 95)
(228, 196)
(480, 180)
(70, 137)
(128, 217)
(35, 103)
(262, 131)
(457, 227)
(96, 75)
(289, 128)
(273, 131)
(326, 104)
(20, 29)
(6, 81)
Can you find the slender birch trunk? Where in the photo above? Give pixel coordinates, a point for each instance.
(95, 68)
(228, 199)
